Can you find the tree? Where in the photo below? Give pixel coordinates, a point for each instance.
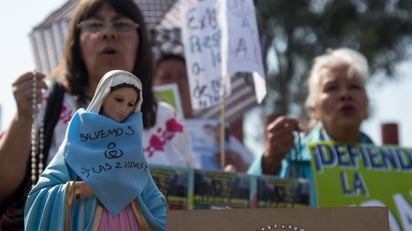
(293, 32)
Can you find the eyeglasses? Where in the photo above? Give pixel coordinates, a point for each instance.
(120, 26)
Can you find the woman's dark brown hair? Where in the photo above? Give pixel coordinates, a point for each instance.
(76, 76)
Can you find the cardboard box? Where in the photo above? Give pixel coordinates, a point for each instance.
(301, 219)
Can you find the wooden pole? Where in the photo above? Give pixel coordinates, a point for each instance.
(222, 122)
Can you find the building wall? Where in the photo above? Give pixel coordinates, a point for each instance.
(47, 39)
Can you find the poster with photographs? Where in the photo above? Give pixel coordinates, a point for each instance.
(273, 192)
(175, 184)
(215, 189)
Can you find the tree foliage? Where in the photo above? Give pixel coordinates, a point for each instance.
(293, 32)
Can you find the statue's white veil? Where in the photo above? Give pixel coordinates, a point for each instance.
(112, 79)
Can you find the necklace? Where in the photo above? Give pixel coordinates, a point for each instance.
(36, 137)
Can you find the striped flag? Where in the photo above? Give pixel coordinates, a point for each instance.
(241, 100)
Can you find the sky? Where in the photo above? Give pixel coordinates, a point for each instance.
(17, 19)
(389, 101)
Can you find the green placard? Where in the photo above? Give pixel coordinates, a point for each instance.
(169, 93)
(364, 175)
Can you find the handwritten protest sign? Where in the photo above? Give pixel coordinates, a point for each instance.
(201, 38)
(240, 43)
(108, 156)
(206, 34)
(364, 175)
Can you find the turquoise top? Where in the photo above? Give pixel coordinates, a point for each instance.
(297, 162)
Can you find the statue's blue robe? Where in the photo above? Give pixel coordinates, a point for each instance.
(108, 156)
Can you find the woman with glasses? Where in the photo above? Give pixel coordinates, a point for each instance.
(104, 35)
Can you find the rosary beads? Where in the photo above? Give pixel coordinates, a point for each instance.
(36, 137)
